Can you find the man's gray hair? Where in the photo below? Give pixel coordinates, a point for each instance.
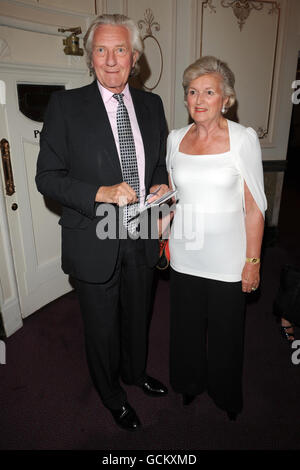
(114, 20)
(210, 64)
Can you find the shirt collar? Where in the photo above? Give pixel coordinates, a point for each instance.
(107, 95)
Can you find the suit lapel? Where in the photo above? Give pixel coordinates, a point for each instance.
(99, 126)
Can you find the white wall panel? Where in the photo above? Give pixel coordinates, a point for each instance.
(158, 19)
(85, 7)
(250, 52)
(35, 13)
(26, 47)
(115, 6)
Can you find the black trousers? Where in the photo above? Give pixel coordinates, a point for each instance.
(116, 319)
(207, 338)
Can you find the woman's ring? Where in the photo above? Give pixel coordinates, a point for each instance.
(254, 288)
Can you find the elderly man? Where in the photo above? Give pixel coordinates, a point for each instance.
(105, 144)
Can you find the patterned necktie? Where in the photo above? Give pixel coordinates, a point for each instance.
(128, 161)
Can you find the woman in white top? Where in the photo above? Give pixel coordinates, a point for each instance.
(215, 242)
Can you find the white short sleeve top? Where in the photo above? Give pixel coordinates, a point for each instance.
(208, 236)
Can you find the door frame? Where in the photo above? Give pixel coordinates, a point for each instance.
(10, 305)
(10, 310)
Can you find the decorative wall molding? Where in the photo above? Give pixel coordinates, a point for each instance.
(274, 8)
(209, 5)
(125, 7)
(8, 67)
(4, 48)
(243, 8)
(47, 8)
(262, 133)
(149, 23)
(75, 60)
(33, 27)
(264, 128)
(2, 93)
(173, 64)
(98, 7)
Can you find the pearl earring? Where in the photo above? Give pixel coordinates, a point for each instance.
(223, 110)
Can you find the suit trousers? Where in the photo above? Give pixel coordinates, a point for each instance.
(207, 338)
(116, 318)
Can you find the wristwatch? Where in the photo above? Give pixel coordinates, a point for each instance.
(253, 260)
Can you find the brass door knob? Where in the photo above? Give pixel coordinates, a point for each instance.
(14, 206)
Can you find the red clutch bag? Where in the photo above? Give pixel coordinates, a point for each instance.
(164, 254)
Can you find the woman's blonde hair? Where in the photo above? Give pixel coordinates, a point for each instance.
(210, 64)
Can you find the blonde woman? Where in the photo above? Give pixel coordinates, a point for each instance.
(215, 243)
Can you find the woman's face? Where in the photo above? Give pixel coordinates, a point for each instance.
(205, 98)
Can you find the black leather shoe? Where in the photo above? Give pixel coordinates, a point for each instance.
(126, 418)
(187, 399)
(153, 387)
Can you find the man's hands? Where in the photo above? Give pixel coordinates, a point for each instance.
(120, 194)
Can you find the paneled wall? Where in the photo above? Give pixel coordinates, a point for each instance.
(176, 33)
(260, 44)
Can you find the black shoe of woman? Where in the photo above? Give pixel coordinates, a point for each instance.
(286, 305)
(187, 399)
(287, 331)
(286, 328)
(232, 415)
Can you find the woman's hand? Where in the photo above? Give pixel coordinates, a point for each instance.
(254, 223)
(164, 225)
(157, 190)
(250, 277)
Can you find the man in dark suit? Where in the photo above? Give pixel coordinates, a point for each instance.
(87, 140)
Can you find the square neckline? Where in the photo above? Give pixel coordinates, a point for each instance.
(206, 154)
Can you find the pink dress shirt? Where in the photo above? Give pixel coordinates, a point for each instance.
(111, 105)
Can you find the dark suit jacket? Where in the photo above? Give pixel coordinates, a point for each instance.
(78, 155)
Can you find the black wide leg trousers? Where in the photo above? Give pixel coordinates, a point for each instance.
(116, 319)
(207, 338)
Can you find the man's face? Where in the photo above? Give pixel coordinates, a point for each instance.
(113, 57)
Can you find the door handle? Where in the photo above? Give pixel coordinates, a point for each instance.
(7, 169)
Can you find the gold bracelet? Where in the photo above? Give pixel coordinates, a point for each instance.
(253, 260)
